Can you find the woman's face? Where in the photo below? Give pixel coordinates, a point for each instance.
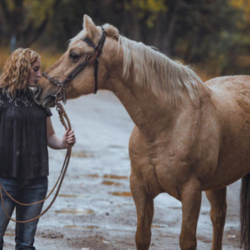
(35, 73)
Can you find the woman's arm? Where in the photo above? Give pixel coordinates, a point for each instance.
(54, 141)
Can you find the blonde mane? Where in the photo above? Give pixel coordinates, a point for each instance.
(151, 69)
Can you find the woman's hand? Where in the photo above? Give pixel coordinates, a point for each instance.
(57, 143)
(68, 138)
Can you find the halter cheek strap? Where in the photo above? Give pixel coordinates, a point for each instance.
(91, 58)
(97, 52)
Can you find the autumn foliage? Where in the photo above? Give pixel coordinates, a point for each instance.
(213, 35)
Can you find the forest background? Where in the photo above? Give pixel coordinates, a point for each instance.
(213, 36)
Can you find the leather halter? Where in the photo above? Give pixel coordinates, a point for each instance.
(92, 58)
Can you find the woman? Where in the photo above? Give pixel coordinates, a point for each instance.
(25, 132)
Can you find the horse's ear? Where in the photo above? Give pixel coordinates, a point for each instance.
(89, 26)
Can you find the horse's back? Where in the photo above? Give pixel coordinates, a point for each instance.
(230, 83)
(231, 95)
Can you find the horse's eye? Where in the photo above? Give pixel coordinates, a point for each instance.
(73, 56)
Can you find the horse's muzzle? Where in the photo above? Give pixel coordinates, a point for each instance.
(37, 91)
(49, 102)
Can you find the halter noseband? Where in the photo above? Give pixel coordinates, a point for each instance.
(91, 58)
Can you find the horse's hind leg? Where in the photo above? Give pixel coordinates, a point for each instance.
(145, 210)
(191, 202)
(218, 203)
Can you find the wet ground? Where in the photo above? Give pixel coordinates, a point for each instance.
(95, 210)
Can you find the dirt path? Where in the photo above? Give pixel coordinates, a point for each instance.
(95, 210)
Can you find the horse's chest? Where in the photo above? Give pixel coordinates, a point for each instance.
(157, 171)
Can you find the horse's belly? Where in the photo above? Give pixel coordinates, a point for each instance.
(167, 170)
(227, 172)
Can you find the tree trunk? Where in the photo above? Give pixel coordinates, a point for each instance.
(168, 45)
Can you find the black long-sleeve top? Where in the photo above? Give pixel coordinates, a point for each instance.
(23, 136)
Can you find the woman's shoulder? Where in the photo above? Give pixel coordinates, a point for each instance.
(4, 97)
(22, 98)
(2, 91)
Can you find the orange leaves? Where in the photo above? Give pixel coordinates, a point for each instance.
(153, 6)
(244, 7)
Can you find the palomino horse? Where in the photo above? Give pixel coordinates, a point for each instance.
(189, 136)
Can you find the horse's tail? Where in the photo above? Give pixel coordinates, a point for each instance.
(245, 212)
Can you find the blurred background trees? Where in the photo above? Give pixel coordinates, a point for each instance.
(213, 35)
(23, 21)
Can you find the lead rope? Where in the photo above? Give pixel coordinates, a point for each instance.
(63, 116)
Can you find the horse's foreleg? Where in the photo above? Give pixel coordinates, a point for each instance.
(145, 209)
(191, 202)
(218, 210)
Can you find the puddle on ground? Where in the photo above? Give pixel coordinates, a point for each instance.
(76, 211)
(115, 146)
(231, 236)
(9, 234)
(128, 204)
(124, 194)
(70, 196)
(110, 176)
(92, 175)
(105, 241)
(80, 227)
(107, 176)
(82, 154)
(111, 183)
(205, 213)
(91, 227)
(175, 208)
(156, 226)
(125, 158)
(52, 235)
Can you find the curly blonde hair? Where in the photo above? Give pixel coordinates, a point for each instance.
(17, 69)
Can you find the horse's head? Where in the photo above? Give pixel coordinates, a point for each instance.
(82, 68)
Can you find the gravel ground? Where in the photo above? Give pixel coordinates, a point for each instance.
(95, 210)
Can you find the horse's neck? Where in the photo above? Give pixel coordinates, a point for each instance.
(148, 112)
